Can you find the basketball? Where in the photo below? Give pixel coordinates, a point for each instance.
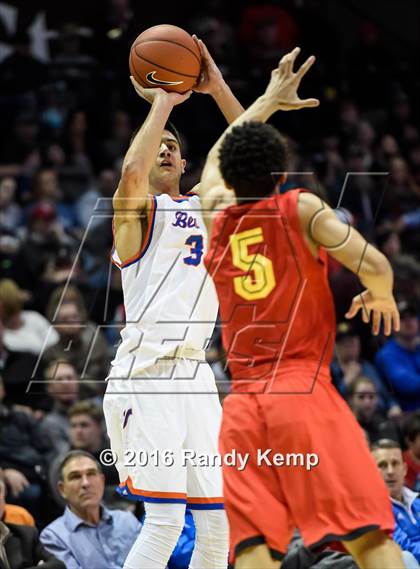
(165, 56)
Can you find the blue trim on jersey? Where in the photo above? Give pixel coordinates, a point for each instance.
(124, 491)
(205, 506)
(149, 239)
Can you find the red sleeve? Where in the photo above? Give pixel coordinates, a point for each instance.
(213, 253)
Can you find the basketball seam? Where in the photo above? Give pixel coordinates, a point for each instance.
(164, 68)
(175, 43)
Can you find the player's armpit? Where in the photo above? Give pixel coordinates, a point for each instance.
(324, 229)
(130, 230)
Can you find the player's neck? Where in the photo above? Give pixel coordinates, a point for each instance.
(171, 190)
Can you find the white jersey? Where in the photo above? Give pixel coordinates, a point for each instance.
(170, 300)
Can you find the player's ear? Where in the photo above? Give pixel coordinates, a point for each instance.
(60, 487)
(184, 164)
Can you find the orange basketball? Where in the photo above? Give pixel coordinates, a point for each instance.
(165, 56)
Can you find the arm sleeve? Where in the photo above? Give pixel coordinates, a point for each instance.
(406, 543)
(403, 379)
(54, 545)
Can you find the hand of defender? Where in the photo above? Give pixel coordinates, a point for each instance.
(284, 83)
(210, 77)
(149, 94)
(378, 309)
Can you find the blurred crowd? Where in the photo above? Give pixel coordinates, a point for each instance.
(66, 124)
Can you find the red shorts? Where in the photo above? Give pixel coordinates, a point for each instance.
(339, 499)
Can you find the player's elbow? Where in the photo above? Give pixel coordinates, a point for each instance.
(133, 176)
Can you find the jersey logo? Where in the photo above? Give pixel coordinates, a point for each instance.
(152, 79)
(126, 416)
(184, 220)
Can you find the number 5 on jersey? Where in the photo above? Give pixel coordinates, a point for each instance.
(259, 284)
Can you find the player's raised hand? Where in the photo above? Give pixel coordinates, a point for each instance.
(284, 83)
(210, 76)
(150, 94)
(376, 310)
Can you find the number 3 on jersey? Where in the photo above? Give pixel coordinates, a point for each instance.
(195, 243)
(261, 283)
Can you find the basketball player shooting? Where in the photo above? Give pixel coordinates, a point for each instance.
(268, 259)
(161, 395)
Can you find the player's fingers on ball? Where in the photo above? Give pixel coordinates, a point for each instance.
(202, 47)
(135, 82)
(304, 68)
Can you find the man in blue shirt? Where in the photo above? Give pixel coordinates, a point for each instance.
(405, 502)
(399, 359)
(88, 535)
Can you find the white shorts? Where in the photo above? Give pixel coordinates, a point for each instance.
(164, 427)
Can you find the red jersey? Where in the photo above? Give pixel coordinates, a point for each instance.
(276, 307)
(412, 479)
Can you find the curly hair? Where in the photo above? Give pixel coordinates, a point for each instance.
(249, 156)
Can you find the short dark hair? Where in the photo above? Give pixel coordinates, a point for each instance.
(385, 444)
(86, 408)
(173, 130)
(411, 426)
(351, 390)
(75, 454)
(249, 156)
(168, 126)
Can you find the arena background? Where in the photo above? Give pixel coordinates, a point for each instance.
(68, 110)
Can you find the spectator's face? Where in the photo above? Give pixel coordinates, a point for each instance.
(389, 145)
(41, 227)
(409, 326)
(69, 320)
(63, 385)
(349, 114)
(7, 191)
(83, 485)
(78, 124)
(393, 469)
(414, 446)
(47, 186)
(85, 433)
(348, 348)
(366, 133)
(364, 401)
(399, 171)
